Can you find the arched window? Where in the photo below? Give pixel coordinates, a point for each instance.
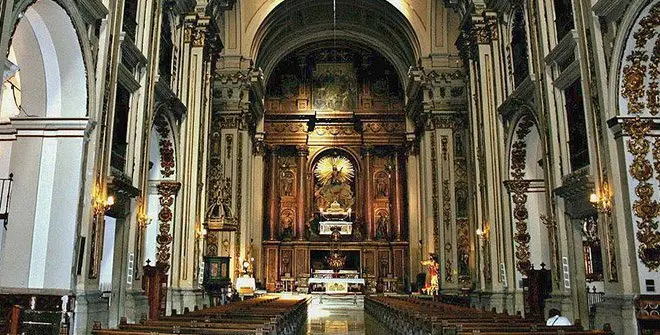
(519, 47)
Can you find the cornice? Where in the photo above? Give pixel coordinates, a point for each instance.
(612, 10)
(92, 10)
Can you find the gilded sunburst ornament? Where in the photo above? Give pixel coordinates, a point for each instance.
(334, 170)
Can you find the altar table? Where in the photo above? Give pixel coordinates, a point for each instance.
(336, 285)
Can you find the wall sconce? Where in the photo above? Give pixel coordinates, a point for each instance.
(601, 199)
(100, 202)
(483, 233)
(143, 220)
(141, 213)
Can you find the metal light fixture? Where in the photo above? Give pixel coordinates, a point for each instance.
(101, 202)
(601, 199)
(483, 233)
(141, 213)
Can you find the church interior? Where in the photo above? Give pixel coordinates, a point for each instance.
(329, 166)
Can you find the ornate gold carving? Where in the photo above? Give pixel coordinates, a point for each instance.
(656, 157)
(463, 250)
(385, 127)
(239, 200)
(635, 84)
(334, 170)
(444, 140)
(199, 37)
(518, 188)
(167, 190)
(644, 207)
(446, 203)
(446, 121)
(335, 130)
(449, 277)
(434, 188)
(285, 127)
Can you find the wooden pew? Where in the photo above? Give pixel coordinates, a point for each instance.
(265, 315)
(404, 315)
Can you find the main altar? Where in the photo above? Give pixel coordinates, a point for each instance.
(335, 146)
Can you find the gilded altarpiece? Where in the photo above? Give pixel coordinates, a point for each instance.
(335, 124)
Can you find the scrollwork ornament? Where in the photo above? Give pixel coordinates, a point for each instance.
(644, 207)
(642, 92)
(167, 190)
(518, 187)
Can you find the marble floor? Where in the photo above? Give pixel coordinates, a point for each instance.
(340, 315)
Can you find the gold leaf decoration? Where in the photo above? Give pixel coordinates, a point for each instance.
(336, 170)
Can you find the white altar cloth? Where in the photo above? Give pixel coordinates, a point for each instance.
(336, 285)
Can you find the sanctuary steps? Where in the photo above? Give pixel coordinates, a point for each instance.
(266, 315)
(404, 315)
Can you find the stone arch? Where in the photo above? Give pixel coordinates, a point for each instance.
(634, 82)
(396, 38)
(526, 184)
(61, 16)
(401, 8)
(47, 155)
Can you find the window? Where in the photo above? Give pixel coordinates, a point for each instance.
(166, 47)
(563, 18)
(519, 47)
(129, 20)
(119, 129)
(577, 128)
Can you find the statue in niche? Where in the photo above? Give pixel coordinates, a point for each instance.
(287, 184)
(461, 204)
(333, 175)
(382, 189)
(287, 227)
(357, 231)
(381, 225)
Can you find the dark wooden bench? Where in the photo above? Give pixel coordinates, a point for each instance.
(264, 315)
(404, 315)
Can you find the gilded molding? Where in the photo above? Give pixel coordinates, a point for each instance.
(434, 187)
(644, 207)
(239, 199)
(518, 187)
(167, 190)
(463, 250)
(635, 86)
(449, 277)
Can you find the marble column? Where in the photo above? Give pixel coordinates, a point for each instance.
(274, 196)
(301, 193)
(396, 204)
(367, 193)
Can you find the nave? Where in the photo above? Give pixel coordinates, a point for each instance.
(298, 314)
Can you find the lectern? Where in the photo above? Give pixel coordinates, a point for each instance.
(216, 277)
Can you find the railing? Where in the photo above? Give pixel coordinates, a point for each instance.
(5, 198)
(593, 298)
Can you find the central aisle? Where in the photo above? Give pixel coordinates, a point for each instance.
(340, 315)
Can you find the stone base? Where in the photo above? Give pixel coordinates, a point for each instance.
(619, 312)
(136, 307)
(564, 304)
(180, 299)
(90, 308)
(488, 300)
